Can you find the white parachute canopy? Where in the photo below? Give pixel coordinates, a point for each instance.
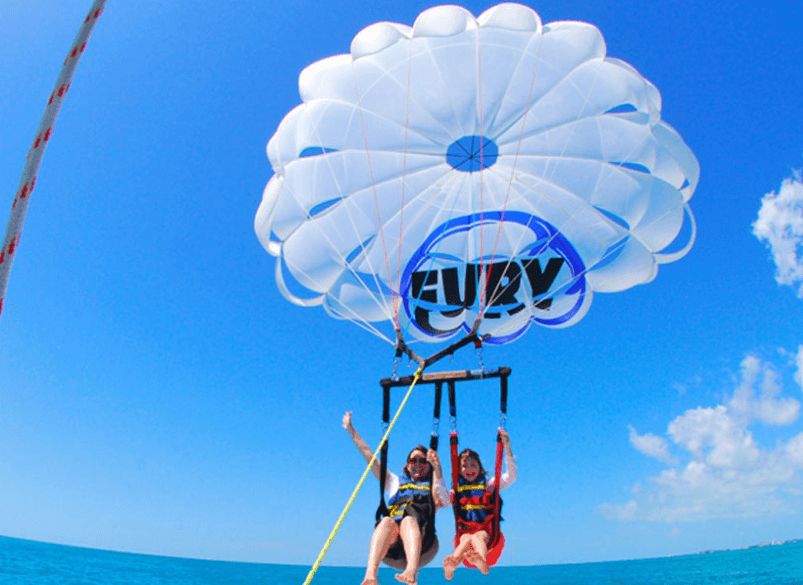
(466, 167)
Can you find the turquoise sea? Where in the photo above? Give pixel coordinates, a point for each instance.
(24, 562)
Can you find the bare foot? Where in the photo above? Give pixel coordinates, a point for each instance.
(472, 556)
(478, 561)
(449, 566)
(370, 582)
(407, 576)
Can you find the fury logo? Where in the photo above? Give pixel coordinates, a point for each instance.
(502, 286)
(443, 293)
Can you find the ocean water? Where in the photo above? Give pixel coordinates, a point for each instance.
(24, 562)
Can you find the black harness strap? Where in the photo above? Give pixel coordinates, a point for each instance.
(453, 447)
(436, 416)
(382, 510)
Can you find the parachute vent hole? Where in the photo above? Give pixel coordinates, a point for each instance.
(470, 154)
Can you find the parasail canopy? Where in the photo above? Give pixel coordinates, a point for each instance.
(464, 167)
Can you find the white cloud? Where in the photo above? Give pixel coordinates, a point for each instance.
(726, 473)
(768, 408)
(652, 445)
(780, 227)
(620, 512)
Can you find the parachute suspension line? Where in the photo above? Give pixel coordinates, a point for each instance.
(34, 159)
(613, 250)
(348, 312)
(397, 288)
(569, 216)
(484, 289)
(513, 170)
(365, 473)
(376, 196)
(432, 260)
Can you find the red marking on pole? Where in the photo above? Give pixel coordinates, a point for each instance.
(48, 133)
(62, 90)
(12, 245)
(33, 182)
(2, 257)
(88, 16)
(99, 12)
(37, 142)
(50, 101)
(83, 47)
(1, 304)
(23, 191)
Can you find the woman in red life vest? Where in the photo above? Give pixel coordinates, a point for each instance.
(405, 539)
(475, 498)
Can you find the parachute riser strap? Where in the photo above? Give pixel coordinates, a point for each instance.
(472, 337)
(436, 417)
(365, 473)
(401, 348)
(423, 363)
(382, 509)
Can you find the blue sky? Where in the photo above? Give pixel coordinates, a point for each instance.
(158, 394)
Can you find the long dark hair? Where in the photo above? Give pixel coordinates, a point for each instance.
(406, 471)
(473, 455)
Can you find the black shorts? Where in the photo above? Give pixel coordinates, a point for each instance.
(397, 559)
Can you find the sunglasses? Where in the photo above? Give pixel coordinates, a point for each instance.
(418, 460)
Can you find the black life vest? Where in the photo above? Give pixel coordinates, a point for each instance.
(412, 493)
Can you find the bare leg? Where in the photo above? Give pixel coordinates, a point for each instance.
(410, 534)
(479, 545)
(385, 534)
(453, 561)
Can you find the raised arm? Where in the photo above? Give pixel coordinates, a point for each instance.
(361, 445)
(509, 476)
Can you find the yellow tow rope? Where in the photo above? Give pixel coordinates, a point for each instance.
(329, 540)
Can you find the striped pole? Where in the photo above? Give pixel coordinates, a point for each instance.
(37, 151)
